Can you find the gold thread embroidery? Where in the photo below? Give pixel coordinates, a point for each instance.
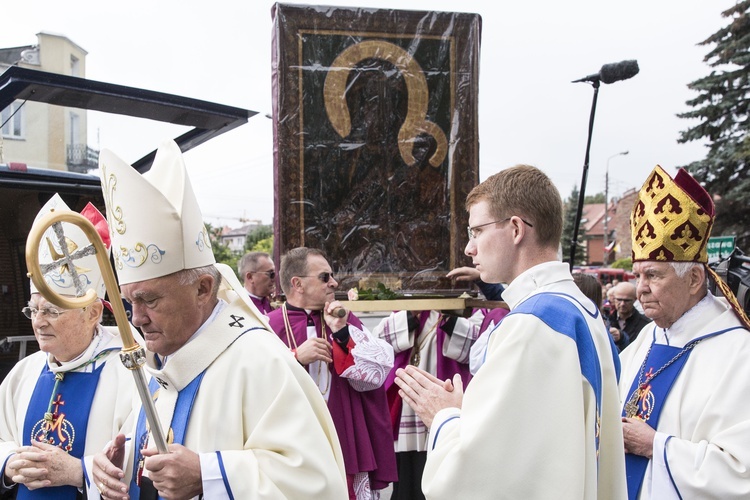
(114, 212)
(334, 92)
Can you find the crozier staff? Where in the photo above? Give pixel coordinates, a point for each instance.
(70, 398)
(244, 419)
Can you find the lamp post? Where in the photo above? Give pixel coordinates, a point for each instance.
(606, 206)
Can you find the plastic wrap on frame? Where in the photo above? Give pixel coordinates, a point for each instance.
(375, 140)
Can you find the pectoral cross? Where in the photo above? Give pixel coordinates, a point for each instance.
(58, 403)
(415, 358)
(631, 407)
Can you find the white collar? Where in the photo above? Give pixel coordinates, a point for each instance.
(220, 305)
(101, 340)
(534, 278)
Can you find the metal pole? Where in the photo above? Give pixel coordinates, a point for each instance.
(584, 176)
(605, 256)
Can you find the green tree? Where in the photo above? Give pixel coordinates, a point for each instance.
(569, 220)
(222, 253)
(723, 110)
(626, 263)
(257, 235)
(264, 245)
(594, 198)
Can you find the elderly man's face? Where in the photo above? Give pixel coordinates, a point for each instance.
(68, 334)
(665, 297)
(167, 312)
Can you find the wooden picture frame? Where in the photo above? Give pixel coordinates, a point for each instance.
(376, 141)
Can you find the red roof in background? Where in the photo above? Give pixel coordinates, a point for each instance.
(593, 219)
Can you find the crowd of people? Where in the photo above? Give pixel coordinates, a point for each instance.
(574, 390)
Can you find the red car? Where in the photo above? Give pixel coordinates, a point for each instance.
(607, 274)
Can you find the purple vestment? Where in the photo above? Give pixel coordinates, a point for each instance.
(361, 418)
(446, 368)
(263, 304)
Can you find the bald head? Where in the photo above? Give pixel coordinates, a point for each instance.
(624, 297)
(625, 289)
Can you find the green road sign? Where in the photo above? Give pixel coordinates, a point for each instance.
(720, 247)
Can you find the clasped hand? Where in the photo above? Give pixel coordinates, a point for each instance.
(42, 465)
(427, 394)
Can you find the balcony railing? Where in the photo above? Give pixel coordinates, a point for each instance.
(82, 158)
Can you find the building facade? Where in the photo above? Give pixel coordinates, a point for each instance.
(592, 224)
(38, 134)
(235, 238)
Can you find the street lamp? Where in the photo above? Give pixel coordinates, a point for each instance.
(606, 206)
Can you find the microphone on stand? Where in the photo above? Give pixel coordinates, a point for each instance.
(609, 73)
(613, 72)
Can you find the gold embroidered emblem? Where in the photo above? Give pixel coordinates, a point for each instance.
(54, 428)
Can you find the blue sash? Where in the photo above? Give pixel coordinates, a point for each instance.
(71, 409)
(652, 401)
(180, 419)
(558, 312)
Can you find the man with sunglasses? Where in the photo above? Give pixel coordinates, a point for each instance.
(625, 323)
(67, 400)
(541, 417)
(258, 272)
(345, 360)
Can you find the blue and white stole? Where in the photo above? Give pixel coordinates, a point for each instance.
(71, 404)
(653, 395)
(558, 312)
(178, 427)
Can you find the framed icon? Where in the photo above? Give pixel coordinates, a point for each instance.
(376, 140)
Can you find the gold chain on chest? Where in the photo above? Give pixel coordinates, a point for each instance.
(631, 407)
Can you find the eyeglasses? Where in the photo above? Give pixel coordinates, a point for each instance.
(270, 274)
(324, 277)
(617, 299)
(49, 313)
(472, 230)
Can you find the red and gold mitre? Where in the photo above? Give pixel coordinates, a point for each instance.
(672, 218)
(671, 222)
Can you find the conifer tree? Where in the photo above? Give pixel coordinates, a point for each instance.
(569, 221)
(723, 108)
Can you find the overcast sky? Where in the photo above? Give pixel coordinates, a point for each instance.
(529, 111)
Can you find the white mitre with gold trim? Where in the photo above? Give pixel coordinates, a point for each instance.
(62, 241)
(156, 224)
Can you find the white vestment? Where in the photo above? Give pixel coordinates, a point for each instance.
(702, 443)
(394, 329)
(527, 426)
(258, 421)
(111, 407)
(479, 347)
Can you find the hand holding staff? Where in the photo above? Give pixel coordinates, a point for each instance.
(133, 355)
